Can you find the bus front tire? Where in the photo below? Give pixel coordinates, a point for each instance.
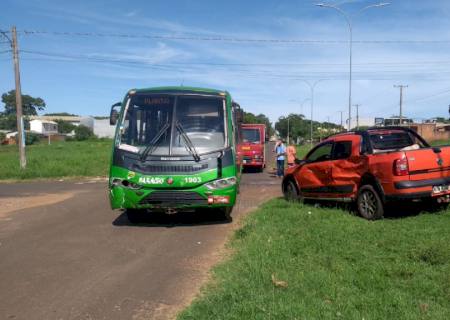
(226, 213)
(135, 215)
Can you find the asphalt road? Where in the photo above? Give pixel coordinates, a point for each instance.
(66, 255)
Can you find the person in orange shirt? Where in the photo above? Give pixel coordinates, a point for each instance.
(291, 152)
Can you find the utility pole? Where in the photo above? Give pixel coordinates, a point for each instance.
(288, 132)
(342, 120)
(357, 115)
(401, 101)
(19, 113)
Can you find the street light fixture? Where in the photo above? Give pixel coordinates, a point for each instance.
(349, 19)
(312, 86)
(301, 103)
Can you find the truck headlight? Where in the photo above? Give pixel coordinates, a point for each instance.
(221, 183)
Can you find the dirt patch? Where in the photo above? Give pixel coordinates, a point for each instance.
(9, 205)
(255, 195)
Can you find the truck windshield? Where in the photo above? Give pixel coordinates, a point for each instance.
(251, 135)
(152, 124)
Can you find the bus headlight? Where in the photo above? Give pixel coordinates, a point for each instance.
(125, 183)
(221, 183)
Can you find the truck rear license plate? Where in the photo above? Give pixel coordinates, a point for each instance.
(441, 189)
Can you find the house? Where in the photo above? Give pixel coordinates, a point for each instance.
(362, 122)
(103, 129)
(99, 125)
(45, 127)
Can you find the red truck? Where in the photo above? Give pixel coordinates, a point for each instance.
(252, 146)
(372, 168)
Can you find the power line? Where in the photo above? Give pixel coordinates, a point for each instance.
(225, 38)
(178, 64)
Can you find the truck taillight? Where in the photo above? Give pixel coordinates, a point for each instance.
(401, 167)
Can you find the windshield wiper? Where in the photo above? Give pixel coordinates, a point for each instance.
(190, 146)
(151, 147)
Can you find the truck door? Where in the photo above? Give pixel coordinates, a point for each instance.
(314, 175)
(345, 168)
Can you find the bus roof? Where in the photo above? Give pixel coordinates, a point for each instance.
(180, 89)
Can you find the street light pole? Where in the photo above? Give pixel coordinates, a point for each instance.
(349, 19)
(312, 86)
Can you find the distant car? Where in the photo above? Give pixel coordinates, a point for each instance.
(372, 167)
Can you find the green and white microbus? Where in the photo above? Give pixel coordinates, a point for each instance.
(174, 150)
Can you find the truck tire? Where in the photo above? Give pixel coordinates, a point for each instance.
(135, 215)
(291, 192)
(369, 203)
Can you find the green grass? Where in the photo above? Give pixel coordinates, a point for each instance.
(440, 143)
(302, 150)
(60, 159)
(336, 266)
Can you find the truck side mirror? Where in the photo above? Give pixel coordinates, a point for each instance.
(114, 115)
(240, 116)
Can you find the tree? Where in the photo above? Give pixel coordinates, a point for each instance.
(62, 114)
(260, 118)
(65, 126)
(30, 138)
(83, 133)
(8, 122)
(30, 105)
(299, 127)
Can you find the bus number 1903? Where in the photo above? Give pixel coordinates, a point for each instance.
(192, 179)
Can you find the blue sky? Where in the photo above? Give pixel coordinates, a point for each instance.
(86, 74)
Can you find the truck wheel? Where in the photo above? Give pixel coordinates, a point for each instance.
(369, 203)
(135, 215)
(291, 192)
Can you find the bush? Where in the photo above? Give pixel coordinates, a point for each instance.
(83, 133)
(2, 136)
(30, 138)
(65, 126)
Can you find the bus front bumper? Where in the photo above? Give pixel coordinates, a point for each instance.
(146, 198)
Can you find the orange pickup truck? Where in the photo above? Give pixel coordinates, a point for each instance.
(372, 167)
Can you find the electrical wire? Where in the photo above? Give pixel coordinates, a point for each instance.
(96, 57)
(225, 38)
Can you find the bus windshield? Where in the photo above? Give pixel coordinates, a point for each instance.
(156, 124)
(251, 135)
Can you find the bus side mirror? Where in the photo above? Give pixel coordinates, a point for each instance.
(114, 115)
